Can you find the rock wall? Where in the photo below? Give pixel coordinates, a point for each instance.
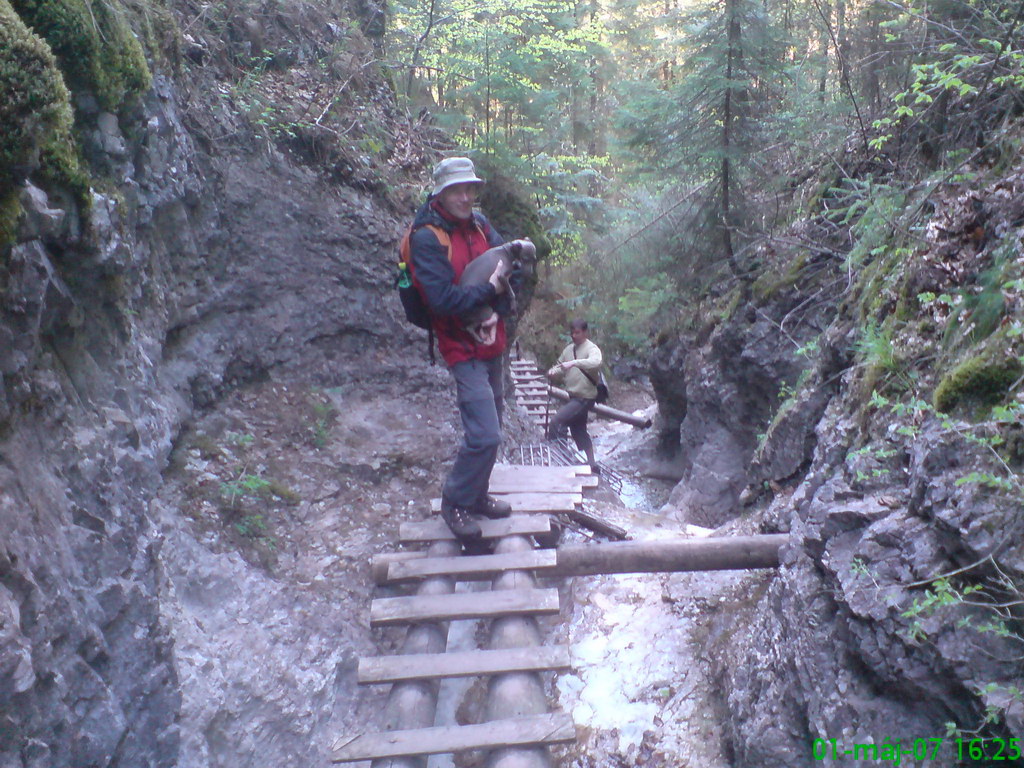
(894, 616)
(203, 257)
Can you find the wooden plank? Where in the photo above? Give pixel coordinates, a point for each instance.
(539, 484)
(464, 605)
(515, 471)
(436, 530)
(543, 502)
(431, 666)
(472, 568)
(497, 734)
(532, 501)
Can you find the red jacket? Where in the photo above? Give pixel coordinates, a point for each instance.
(436, 276)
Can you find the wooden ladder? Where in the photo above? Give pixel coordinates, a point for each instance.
(534, 492)
(531, 391)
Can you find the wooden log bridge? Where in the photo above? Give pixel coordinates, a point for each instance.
(515, 728)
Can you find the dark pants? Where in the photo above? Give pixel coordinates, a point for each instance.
(479, 390)
(573, 415)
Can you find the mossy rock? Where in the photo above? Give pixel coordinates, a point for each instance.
(158, 32)
(770, 283)
(979, 382)
(34, 103)
(93, 43)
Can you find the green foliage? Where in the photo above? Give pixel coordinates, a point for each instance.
(511, 82)
(260, 107)
(979, 309)
(34, 104)
(245, 486)
(94, 45)
(323, 417)
(875, 347)
(252, 526)
(511, 67)
(942, 594)
(639, 306)
(718, 101)
(525, 198)
(871, 209)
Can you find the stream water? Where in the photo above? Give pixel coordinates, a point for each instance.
(638, 692)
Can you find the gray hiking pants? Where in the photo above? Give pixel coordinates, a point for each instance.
(479, 391)
(573, 416)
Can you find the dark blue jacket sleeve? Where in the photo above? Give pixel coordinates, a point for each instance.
(434, 272)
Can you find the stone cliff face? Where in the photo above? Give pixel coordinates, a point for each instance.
(203, 257)
(895, 613)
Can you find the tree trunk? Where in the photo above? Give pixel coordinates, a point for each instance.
(733, 54)
(823, 42)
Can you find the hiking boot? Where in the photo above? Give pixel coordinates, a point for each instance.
(493, 508)
(460, 521)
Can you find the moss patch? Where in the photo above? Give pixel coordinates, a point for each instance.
(978, 382)
(61, 166)
(10, 212)
(34, 104)
(96, 48)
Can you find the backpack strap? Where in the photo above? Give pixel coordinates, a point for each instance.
(405, 249)
(405, 257)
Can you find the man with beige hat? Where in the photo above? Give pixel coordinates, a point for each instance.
(447, 234)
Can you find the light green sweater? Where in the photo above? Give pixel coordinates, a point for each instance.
(590, 359)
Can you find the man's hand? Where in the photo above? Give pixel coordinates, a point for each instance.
(559, 368)
(496, 277)
(489, 330)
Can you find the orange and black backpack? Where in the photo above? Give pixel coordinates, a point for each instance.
(416, 311)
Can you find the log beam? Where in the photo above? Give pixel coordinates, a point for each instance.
(606, 411)
(723, 553)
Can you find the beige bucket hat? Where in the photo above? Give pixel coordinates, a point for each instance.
(454, 170)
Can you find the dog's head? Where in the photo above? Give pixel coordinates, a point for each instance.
(524, 256)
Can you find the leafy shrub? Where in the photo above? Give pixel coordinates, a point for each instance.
(34, 103)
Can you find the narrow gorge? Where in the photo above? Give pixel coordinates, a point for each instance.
(213, 414)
